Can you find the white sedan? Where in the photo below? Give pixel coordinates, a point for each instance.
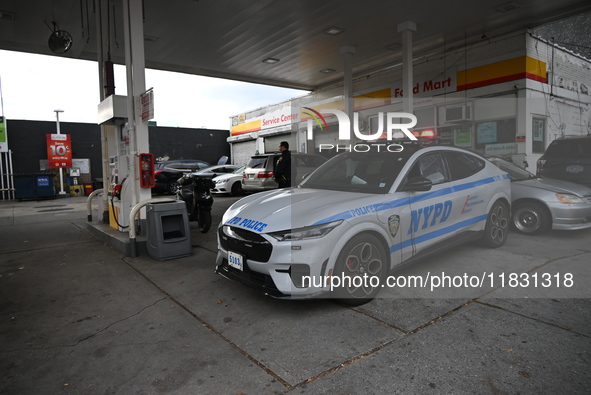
(358, 216)
(229, 183)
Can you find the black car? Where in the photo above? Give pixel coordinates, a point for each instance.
(167, 173)
(567, 158)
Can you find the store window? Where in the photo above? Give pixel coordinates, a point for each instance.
(491, 137)
(458, 135)
(496, 137)
(538, 135)
(495, 132)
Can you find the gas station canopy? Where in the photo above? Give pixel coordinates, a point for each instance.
(292, 44)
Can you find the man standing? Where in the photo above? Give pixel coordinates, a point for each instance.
(282, 171)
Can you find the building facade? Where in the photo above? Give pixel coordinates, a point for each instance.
(506, 96)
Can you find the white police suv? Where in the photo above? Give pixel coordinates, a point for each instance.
(357, 216)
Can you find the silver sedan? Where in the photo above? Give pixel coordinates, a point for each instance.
(539, 204)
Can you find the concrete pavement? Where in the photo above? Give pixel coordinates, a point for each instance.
(78, 317)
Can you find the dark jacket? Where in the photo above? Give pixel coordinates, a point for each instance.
(282, 171)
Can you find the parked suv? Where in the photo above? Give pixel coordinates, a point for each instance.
(567, 158)
(258, 174)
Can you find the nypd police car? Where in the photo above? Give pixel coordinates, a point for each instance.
(358, 216)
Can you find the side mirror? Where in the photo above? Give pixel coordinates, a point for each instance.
(417, 184)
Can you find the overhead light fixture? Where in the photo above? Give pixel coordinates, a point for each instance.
(60, 41)
(327, 71)
(333, 31)
(508, 7)
(270, 60)
(394, 47)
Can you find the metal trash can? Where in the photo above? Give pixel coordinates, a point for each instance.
(168, 232)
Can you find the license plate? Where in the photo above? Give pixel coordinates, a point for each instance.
(250, 176)
(574, 169)
(235, 260)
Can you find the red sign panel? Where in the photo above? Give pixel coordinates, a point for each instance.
(59, 151)
(147, 99)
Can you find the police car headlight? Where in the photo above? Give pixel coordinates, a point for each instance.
(567, 198)
(308, 232)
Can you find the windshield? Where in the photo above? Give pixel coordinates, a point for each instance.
(209, 169)
(257, 162)
(239, 170)
(515, 172)
(359, 172)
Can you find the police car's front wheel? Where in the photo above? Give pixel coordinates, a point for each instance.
(361, 268)
(497, 226)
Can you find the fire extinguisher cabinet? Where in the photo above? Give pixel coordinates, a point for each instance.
(168, 232)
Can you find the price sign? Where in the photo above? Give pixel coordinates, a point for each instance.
(147, 101)
(59, 151)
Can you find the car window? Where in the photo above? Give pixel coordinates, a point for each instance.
(172, 164)
(258, 162)
(569, 148)
(463, 165)
(309, 161)
(358, 172)
(430, 166)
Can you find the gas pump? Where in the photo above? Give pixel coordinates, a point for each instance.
(120, 191)
(130, 175)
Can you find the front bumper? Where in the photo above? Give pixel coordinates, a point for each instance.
(279, 269)
(571, 216)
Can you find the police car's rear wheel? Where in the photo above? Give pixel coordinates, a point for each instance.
(361, 268)
(497, 226)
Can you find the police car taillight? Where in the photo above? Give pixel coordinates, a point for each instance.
(265, 174)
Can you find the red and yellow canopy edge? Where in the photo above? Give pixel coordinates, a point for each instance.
(247, 127)
(506, 70)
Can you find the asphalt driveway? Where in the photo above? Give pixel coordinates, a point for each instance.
(77, 316)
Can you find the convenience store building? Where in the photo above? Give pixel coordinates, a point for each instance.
(509, 96)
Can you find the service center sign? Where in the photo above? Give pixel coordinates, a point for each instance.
(59, 151)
